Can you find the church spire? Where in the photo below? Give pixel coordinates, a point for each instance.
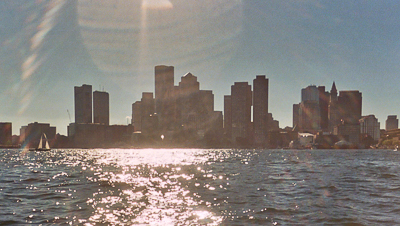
(333, 89)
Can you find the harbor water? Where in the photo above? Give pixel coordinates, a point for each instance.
(199, 187)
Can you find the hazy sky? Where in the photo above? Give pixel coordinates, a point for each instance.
(48, 47)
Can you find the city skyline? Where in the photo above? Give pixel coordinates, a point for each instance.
(47, 49)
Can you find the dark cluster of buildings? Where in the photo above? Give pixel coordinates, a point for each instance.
(333, 118)
(183, 115)
(239, 128)
(96, 131)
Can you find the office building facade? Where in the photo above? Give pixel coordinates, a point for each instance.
(83, 103)
(241, 112)
(101, 107)
(260, 110)
(392, 122)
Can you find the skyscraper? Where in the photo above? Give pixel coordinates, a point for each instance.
(350, 106)
(148, 124)
(392, 122)
(165, 98)
(241, 112)
(370, 125)
(296, 116)
(310, 114)
(5, 133)
(83, 104)
(333, 109)
(137, 116)
(101, 107)
(323, 108)
(260, 110)
(228, 116)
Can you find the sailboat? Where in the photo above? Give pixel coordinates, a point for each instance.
(43, 144)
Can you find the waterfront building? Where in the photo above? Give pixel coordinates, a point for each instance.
(273, 125)
(392, 122)
(95, 135)
(83, 103)
(241, 112)
(165, 96)
(309, 110)
(370, 125)
(137, 116)
(148, 116)
(195, 108)
(350, 103)
(30, 134)
(5, 133)
(296, 115)
(260, 110)
(228, 116)
(101, 107)
(333, 109)
(323, 108)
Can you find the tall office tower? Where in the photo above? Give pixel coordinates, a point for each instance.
(228, 116)
(333, 109)
(149, 121)
(137, 116)
(83, 104)
(188, 103)
(5, 133)
(392, 122)
(370, 125)
(310, 93)
(188, 85)
(350, 103)
(260, 110)
(165, 98)
(101, 107)
(323, 108)
(241, 112)
(309, 114)
(296, 116)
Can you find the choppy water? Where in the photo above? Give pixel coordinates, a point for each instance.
(200, 187)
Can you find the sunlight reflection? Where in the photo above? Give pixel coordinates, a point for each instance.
(149, 187)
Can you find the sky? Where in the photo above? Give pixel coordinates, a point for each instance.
(49, 46)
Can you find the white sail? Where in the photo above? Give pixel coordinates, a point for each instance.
(43, 146)
(47, 143)
(40, 142)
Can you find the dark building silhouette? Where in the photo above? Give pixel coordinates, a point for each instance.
(83, 104)
(137, 116)
(392, 122)
(350, 106)
(324, 108)
(5, 133)
(165, 96)
(241, 112)
(195, 109)
(309, 112)
(228, 116)
(181, 113)
(30, 134)
(148, 117)
(333, 109)
(369, 125)
(260, 110)
(95, 135)
(101, 107)
(349, 113)
(296, 116)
